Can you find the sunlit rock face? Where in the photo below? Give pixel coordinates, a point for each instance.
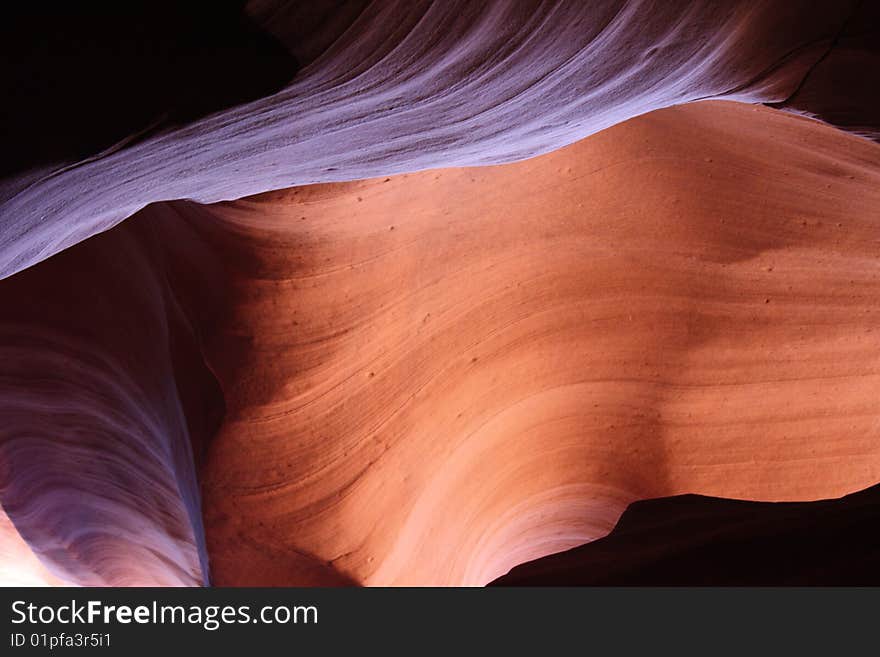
(402, 368)
(435, 377)
(19, 566)
(414, 85)
(431, 378)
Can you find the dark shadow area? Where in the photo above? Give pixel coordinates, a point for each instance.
(691, 540)
(308, 28)
(78, 80)
(842, 88)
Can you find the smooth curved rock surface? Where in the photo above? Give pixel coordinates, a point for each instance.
(104, 397)
(417, 85)
(432, 375)
(431, 378)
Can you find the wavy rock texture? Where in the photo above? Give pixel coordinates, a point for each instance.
(415, 85)
(102, 393)
(435, 377)
(432, 377)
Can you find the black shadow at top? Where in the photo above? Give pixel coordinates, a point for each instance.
(78, 80)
